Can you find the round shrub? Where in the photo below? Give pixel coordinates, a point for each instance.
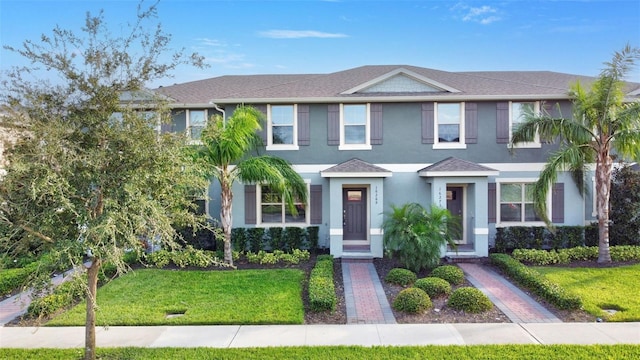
(402, 277)
(451, 273)
(412, 300)
(433, 286)
(469, 299)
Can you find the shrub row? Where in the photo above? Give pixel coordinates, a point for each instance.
(537, 237)
(274, 238)
(580, 253)
(536, 282)
(278, 256)
(11, 279)
(322, 293)
(61, 297)
(189, 256)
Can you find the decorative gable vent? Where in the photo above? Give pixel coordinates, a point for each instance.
(400, 81)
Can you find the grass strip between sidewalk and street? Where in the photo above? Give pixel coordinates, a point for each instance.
(194, 297)
(502, 352)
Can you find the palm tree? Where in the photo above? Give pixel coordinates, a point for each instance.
(603, 124)
(225, 155)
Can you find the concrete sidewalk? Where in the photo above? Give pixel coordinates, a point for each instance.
(234, 336)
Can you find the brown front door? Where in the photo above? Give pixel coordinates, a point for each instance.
(455, 205)
(354, 214)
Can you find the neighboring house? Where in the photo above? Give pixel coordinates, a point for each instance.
(375, 136)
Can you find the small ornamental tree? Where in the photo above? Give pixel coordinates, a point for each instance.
(89, 176)
(624, 208)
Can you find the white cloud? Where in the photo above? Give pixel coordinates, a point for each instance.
(211, 42)
(484, 14)
(299, 34)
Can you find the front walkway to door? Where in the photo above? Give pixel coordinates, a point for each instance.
(364, 296)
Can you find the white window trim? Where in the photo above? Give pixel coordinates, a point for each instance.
(447, 145)
(270, 144)
(500, 223)
(535, 144)
(259, 223)
(188, 124)
(367, 131)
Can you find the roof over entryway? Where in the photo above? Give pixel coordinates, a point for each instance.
(453, 166)
(355, 168)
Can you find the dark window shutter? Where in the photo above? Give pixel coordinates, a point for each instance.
(315, 202)
(376, 124)
(471, 123)
(333, 124)
(492, 202)
(427, 123)
(250, 212)
(502, 123)
(263, 132)
(304, 132)
(557, 203)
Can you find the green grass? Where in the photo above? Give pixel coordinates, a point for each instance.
(602, 288)
(145, 297)
(506, 352)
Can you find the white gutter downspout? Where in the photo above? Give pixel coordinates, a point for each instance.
(224, 115)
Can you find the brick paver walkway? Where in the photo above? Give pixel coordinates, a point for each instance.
(517, 305)
(365, 299)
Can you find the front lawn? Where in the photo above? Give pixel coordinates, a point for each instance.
(169, 297)
(502, 352)
(614, 288)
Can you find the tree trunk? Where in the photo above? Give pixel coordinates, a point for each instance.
(603, 186)
(226, 197)
(90, 325)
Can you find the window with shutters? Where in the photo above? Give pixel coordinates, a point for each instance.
(282, 127)
(449, 126)
(272, 210)
(517, 112)
(354, 127)
(515, 203)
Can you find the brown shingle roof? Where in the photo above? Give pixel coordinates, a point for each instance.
(330, 87)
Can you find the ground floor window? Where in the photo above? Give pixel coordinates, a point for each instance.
(275, 211)
(516, 203)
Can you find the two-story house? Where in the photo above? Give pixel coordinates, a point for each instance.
(373, 136)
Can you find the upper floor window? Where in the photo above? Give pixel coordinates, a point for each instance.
(354, 120)
(196, 121)
(516, 203)
(517, 112)
(273, 209)
(449, 125)
(282, 127)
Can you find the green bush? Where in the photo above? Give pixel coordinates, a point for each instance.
(275, 238)
(412, 300)
(433, 286)
(402, 277)
(239, 239)
(417, 235)
(624, 207)
(580, 253)
(322, 293)
(469, 299)
(255, 238)
(62, 296)
(540, 257)
(293, 238)
(625, 253)
(11, 279)
(451, 273)
(313, 237)
(536, 282)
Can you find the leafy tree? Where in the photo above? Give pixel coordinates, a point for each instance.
(226, 156)
(603, 124)
(89, 175)
(625, 207)
(416, 235)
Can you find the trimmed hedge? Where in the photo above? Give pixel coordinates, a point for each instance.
(538, 237)
(469, 299)
(412, 300)
(580, 253)
(322, 293)
(11, 279)
(451, 273)
(536, 282)
(434, 286)
(400, 276)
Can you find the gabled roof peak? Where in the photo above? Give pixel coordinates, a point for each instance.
(400, 80)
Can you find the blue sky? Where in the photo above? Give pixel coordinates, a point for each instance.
(266, 37)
